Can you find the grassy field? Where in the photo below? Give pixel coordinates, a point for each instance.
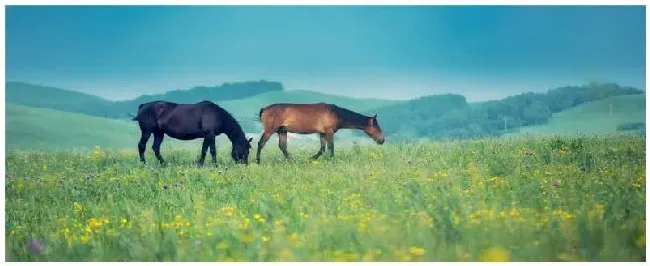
(592, 118)
(530, 199)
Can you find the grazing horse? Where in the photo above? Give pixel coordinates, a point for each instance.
(187, 122)
(324, 119)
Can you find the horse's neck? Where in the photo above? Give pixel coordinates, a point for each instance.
(233, 130)
(233, 133)
(352, 123)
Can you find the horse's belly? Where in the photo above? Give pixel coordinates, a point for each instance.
(302, 125)
(302, 131)
(184, 136)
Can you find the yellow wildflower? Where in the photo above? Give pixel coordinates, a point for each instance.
(495, 254)
(78, 207)
(514, 212)
(641, 241)
(293, 238)
(259, 218)
(371, 254)
(417, 251)
(244, 224)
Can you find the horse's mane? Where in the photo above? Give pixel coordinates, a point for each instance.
(232, 125)
(228, 117)
(349, 116)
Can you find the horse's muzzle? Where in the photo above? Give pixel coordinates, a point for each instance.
(381, 141)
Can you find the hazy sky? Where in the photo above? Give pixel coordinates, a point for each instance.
(381, 52)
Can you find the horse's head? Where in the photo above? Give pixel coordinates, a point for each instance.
(373, 130)
(240, 150)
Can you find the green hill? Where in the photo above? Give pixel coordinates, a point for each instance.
(242, 99)
(56, 98)
(593, 117)
(31, 128)
(450, 116)
(40, 128)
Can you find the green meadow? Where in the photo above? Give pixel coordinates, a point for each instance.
(578, 198)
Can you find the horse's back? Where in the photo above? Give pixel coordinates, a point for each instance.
(302, 107)
(298, 117)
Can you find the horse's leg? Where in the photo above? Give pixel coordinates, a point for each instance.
(260, 144)
(204, 150)
(282, 136)
(157, 141)
(322, 147)
(213, 150)
(330, 143)
(142, 144)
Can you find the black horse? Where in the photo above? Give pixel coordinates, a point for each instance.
(187, 122)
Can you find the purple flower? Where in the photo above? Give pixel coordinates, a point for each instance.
(34, 246)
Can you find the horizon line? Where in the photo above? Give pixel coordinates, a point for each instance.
(313, 91)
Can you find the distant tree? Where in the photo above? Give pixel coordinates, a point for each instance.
(450, 116)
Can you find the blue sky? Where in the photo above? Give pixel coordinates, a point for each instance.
(483, 52)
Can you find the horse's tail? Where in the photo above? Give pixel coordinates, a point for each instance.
(135, 117)
(259, 116)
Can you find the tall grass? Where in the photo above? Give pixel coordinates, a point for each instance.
(530, 199)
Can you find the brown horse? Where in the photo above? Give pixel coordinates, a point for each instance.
(324, 119)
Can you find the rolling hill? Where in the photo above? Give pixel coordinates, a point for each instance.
(450, 116)
(41, 128)
(242, 99)
(72, 101)
(592, 118)
(446, 116)
(56, 98)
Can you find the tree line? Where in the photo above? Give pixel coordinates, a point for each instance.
(450, 116)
